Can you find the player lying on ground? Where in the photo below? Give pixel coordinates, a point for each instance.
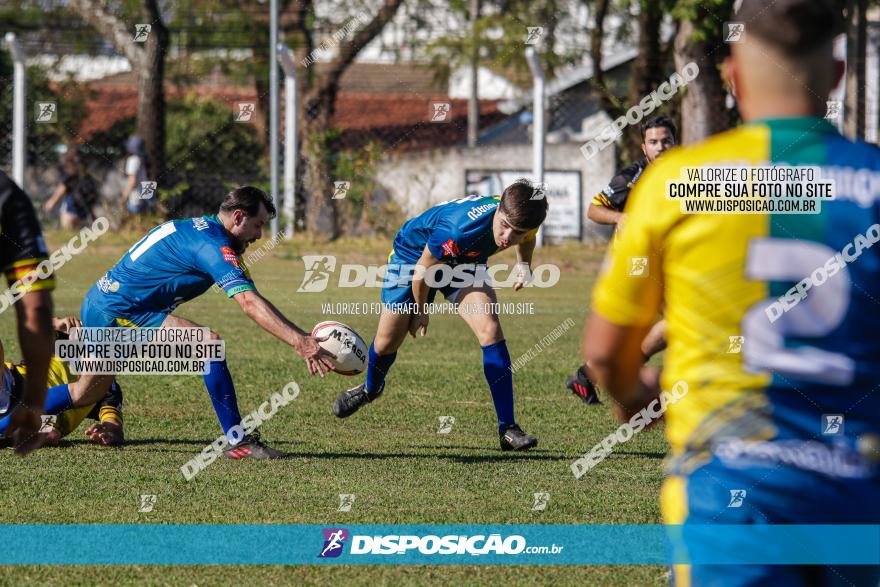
(658, 136)
(464, 231)
(108, 412)
(790, 426)
(174, 263)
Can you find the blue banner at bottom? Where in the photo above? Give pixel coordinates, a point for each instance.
(268, 544)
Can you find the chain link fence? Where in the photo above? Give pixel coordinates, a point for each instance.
(394, 144)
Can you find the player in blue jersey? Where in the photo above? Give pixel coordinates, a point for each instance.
(174, 263)
(466, 231)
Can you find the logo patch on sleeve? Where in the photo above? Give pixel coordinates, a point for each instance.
(229, 255)
(451, 248)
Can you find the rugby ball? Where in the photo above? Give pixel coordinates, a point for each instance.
(346, 344)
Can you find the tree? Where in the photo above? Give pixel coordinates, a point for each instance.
(147, 58)
(700, 40)
(856, 50)
(320, 89)
(199, 26)
(649, 68)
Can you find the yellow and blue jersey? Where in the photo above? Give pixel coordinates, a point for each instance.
(12, 384)
(782, 408)
(174, 263)
(717, 273)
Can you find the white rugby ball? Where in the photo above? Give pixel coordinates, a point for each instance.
(346, 344)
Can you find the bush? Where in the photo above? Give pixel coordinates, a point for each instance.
(207, 154)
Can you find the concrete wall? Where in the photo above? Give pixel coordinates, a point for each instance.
(417, 181)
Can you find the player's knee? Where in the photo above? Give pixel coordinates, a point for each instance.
(489, 331)
(213, 336)
(384, 346)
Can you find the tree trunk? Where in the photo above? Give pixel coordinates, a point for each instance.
(703, 111)
(648, 67)
(856, 49)
(606, 100)
(318, 145)
(317, 150)
(151, 92)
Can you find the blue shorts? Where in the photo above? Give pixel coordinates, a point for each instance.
(715, 493)
(401, 296)
(95, 315)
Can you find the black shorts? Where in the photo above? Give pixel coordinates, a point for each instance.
(22, 247)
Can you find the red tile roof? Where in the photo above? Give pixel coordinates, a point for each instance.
(399, 121)
(403, 121)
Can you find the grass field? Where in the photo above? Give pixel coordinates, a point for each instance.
(389, 455)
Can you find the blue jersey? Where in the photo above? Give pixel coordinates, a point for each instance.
(174, 263)
(457, 231)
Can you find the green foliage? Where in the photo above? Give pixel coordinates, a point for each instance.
(207, 152)
(499, 39)
(359, 167)
(708, 17)
(201, 134)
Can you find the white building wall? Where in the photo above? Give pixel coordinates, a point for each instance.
(417, 181)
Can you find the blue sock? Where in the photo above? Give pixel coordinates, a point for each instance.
(496, 366)
(222, 392)
(377, 369)
(57, 401)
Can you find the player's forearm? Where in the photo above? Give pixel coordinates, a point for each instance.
(56, 197)
(261, 311)
(524, 251)
(36, 338)
(614, 356)
(603, 215)
(129, 187)
(631, 389)
(420, 291)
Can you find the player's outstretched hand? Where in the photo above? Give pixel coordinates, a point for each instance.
(106, 433)
(24, 430)
(523, 276)
(317, 358)
(418, 323)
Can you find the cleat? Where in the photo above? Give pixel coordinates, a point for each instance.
(513, 438)
(581, 386)
(251, 447)
(349, 402)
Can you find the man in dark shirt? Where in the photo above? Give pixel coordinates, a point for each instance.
(607, 207)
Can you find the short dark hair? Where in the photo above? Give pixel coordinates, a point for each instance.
(657, 122)
(794, 27)
(524, 204)
(248, 199)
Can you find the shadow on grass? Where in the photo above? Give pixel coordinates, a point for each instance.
(532, 455)
(638, 453)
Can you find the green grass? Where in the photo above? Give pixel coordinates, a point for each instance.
(389, 455)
